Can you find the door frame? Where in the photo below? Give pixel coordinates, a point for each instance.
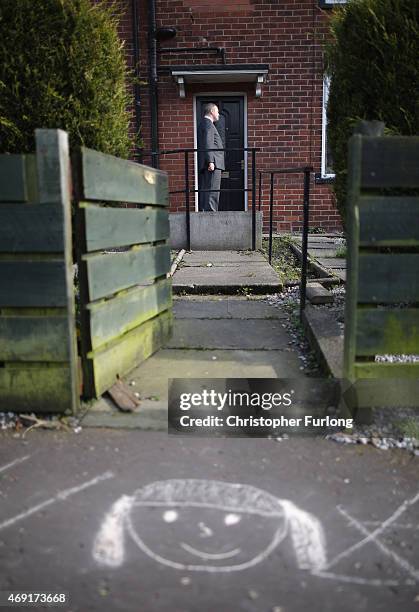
(221, 94)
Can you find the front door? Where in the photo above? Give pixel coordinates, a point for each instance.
(231, 129)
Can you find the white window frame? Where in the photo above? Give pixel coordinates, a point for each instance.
(324, 173)
(330, 3)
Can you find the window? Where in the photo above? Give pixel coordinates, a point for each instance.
(327, 161)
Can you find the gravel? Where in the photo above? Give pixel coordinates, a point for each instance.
(386, 431)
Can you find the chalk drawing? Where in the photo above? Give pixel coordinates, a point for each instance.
(12, 463)
(402, 563)
(372, 536)
(184, 502)
(226, 506)
(61, 496)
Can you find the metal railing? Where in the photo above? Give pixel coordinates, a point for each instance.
(306, 170)
(187, 189)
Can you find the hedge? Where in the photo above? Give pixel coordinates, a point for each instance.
(62, 66)
(373, 62)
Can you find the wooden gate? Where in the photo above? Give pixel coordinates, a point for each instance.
(382, 304)
(123, 257)
(37, 330)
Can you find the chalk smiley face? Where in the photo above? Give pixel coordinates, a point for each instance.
(206, 525)
(204, 538)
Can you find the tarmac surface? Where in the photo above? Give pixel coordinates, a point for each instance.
(145, 522)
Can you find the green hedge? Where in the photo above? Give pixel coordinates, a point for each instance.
(373, 61)
(62, 66)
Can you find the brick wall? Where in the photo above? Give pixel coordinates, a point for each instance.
(285, 121)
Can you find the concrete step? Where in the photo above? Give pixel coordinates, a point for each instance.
(228, 272)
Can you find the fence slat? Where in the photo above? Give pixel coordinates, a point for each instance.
(389, 221)
(387, 392)
(115, 317)
(33, 338)
(386, 370)
(354, 172)
(116, 227)
(36, 388)
(113, 272)
(13, 185)
(130, 351)
(33, 283)
(35, 228)
(398, 162)
(381, 332)
(388, 278)
(112, 179)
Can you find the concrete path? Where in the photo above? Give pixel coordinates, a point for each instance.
(248, 525)
(225, 272)
(323, 248)
(214, 337)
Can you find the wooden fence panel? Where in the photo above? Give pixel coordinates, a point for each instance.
(388, 278)
(37, 228)
(382, 313)
(34, 338)
(129, 350)
(112, 318)
(390, 161)
(124, 257)
(111, 272)
(37, 323)
(13, 179)
(382, 332)
(388, 221)
(117, 227)
(110, 179)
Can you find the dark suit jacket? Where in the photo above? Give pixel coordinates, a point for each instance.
(209, 138)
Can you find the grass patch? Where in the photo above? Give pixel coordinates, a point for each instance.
(283, 259)
(409, 428)
(341, 252)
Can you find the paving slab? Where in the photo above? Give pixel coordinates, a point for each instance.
(223, 256)
(253, 334)
(225, 309)
(230, 272)
(222, 264)
(236, 278)
(333, 262)
(317, 294)
(318, 239)
(325, 252)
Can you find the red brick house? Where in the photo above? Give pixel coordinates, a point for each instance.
(262, 62)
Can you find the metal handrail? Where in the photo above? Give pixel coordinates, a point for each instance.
(306, 170)
(187, 190)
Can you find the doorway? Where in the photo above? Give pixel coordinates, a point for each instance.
(232, 131)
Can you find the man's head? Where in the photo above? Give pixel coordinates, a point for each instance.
(211, 111)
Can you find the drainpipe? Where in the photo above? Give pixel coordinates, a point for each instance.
(152, 76)
(137, 99)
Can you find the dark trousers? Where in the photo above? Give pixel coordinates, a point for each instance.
(208, 200)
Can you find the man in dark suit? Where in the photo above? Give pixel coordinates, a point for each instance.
(210, 163)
